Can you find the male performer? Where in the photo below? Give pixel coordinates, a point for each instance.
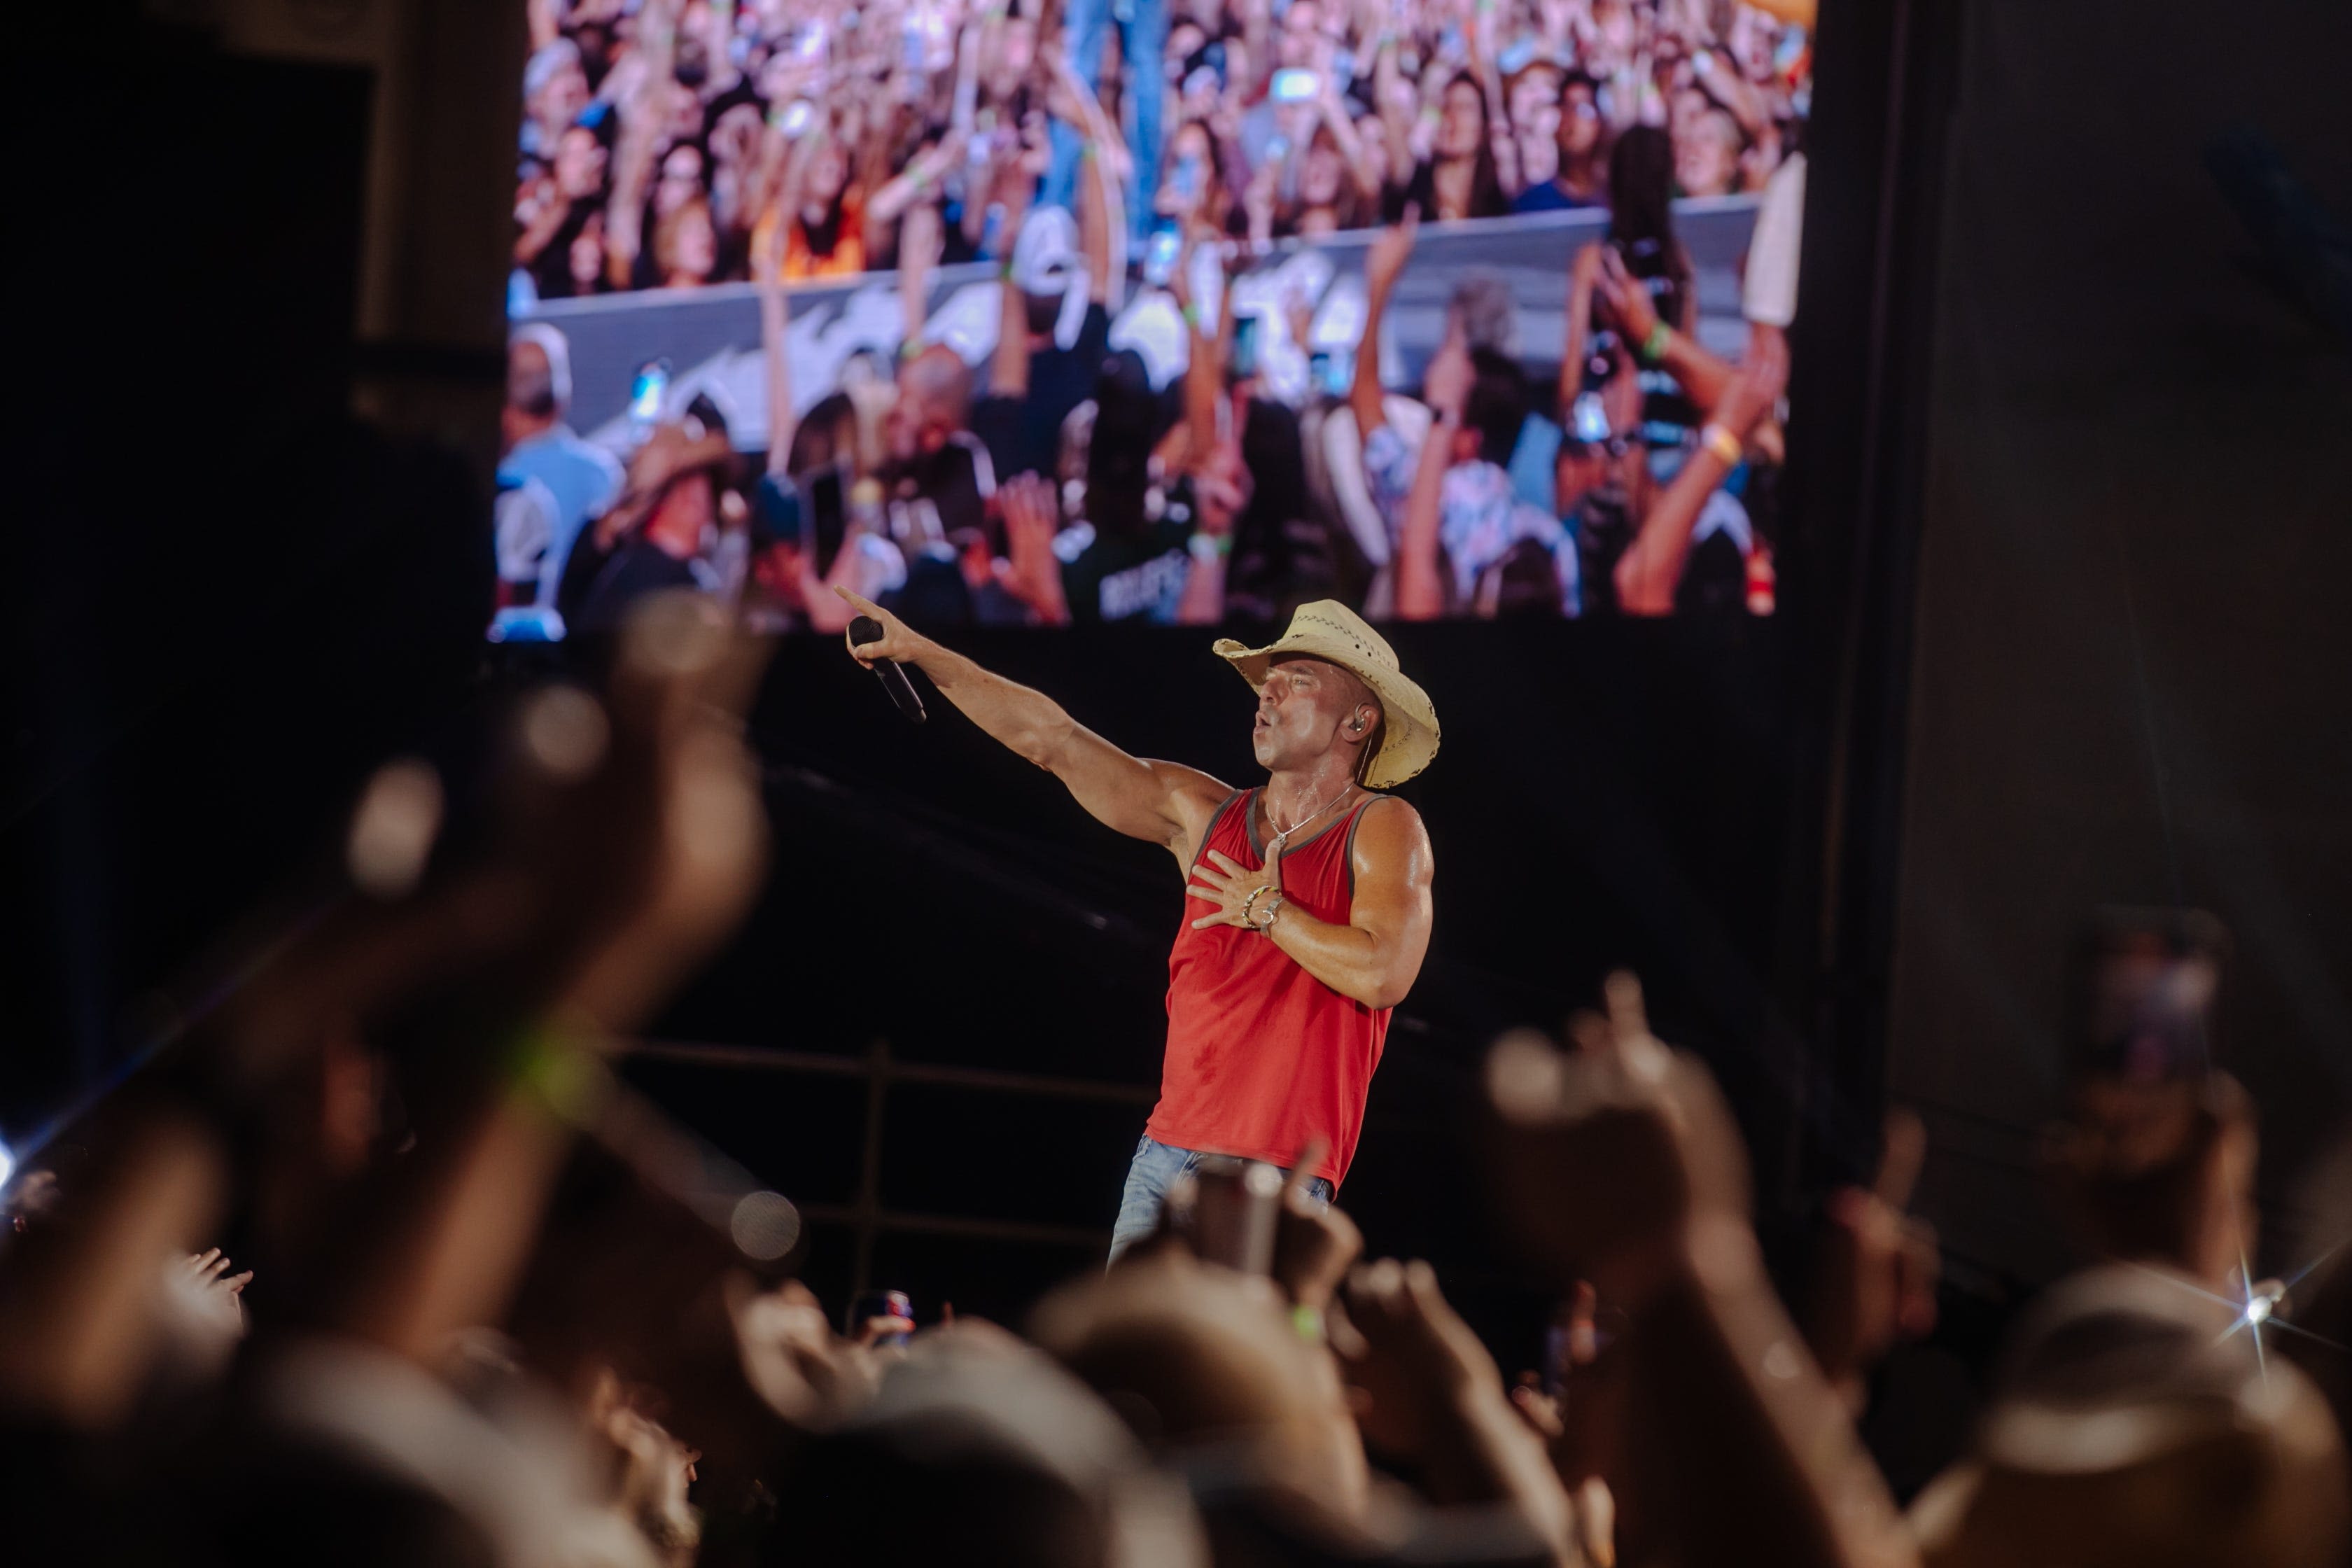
(1311, 891)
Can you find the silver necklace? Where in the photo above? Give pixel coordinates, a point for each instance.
(1282, 835)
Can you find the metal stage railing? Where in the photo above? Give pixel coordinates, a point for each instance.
(864, 1216)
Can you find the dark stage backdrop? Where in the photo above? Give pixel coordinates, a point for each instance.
(1606, 795)
(2133, 644)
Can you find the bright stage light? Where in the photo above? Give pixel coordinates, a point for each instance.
(2261, 1300)
(8, 1165)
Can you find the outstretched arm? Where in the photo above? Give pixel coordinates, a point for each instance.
(921, 240)
(767, 255)
(1420, 587)
(1008, 369)
(633, 157)
(1396, 101)
(1702, 374)
(1735, 1434)
(1102, 212)
(1384, 262)
(1581, 280)
(1351, 146)
(1205, 371)
(1376, 956)
(1652, 566)
(1165, 803)
(916, 183)
(1499, 135)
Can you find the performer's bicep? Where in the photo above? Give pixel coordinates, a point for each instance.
(1134, 796)
(1393, 869)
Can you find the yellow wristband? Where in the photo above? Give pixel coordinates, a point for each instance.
(1722, 443)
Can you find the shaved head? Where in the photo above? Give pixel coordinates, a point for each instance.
(940, 377)
(934, 402)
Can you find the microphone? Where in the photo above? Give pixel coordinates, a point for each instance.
(866, 629)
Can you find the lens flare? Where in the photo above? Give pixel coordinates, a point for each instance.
(393, 831)
(765, 1225)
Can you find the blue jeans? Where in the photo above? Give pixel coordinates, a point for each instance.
(1149, 1175)
(1142, 41)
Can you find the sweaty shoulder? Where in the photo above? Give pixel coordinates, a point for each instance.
(1390, 838)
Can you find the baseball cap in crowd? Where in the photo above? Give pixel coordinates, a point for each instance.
(1524, 59)
(1046, 257)
(525, 387)
(1048, 264)
(544, 62)
(1155, 330)
(527, 623)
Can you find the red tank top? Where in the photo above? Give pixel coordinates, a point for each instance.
(1263, 1057)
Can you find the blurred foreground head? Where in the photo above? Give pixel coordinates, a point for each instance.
(2137, 1422)
(977, 1450)
(1204, 1361)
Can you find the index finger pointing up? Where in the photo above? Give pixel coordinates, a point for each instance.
(1905, 1151)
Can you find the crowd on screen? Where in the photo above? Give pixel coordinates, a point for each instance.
(1128, 447)
(1155, 466)
(659, 138)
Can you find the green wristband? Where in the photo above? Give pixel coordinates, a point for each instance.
(1207, 547)
(550, 1067)
(1653, 347)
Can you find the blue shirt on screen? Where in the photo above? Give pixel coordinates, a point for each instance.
(1547, 198)
(1534, 462)
(584, 479)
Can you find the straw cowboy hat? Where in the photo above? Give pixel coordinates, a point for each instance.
(1327, 629)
